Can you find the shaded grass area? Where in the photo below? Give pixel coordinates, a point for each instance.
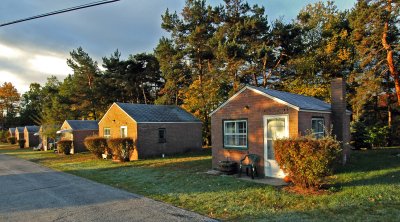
(368, 189)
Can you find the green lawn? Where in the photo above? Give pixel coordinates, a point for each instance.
(368, 189)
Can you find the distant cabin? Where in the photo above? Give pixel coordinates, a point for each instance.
(254, 117)
(77, 131)
(155, 129)
(31, 140)
(11, 132)
(19, 133)
(44, 139)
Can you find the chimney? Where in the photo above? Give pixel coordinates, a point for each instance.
(340, 120)
(338, 97)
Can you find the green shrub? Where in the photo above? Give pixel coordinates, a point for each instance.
(97, 145)
(21, 143)
(307, 160)
(378, 136)
(64, 146)
(359, 135)
(3, 136)
(121, 148)
(11, 140)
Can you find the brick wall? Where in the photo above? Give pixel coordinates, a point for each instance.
(305, 121)
(79, 138)
(180, 138)
(30, 139)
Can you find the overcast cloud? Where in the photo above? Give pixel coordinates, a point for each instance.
(33, 50)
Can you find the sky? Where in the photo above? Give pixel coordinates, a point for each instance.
(33, 50)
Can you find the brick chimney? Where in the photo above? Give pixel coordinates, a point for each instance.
(340, 120)
(338, 97)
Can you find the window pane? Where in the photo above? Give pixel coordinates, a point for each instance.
(242, 127)
(230, 140)
(229, 127)
(270, 151)
(242, 140)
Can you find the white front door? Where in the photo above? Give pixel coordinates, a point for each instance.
(275, 126)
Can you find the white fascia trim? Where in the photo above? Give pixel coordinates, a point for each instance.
(314, 111)
(227, 101)
(256, 91)
(120, 109)
(274, 98)
(171, 122)
(106, 113)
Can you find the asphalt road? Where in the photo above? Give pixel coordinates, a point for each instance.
(30, 192)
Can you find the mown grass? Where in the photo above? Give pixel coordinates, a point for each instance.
(367, 189)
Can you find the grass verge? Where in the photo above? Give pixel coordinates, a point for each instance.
(367, 189)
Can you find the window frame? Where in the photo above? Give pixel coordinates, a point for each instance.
(164, 139)
(104, 132)
(315, 133)
(126, 131)
(226, 146)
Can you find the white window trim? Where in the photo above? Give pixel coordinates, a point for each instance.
(104, 132)
(323, 126)
(235, 134)
(126, 131)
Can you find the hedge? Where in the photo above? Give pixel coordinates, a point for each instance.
(121, 148)
(97, 145)
(306, 160)
(64, 146)
(12, 139)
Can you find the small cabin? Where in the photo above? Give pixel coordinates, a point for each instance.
(19, 133)
(77, 131)
(254, 117)
(31, 140)
(156, 129)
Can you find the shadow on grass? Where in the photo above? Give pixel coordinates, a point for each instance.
(371, 160)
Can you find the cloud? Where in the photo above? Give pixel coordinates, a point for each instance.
(8, 52)
(49, 65)
(23, 67)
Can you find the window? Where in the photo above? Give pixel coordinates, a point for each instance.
(317, 127)
(162, 135)
(235, 134)
(107, 133)
(124, 131)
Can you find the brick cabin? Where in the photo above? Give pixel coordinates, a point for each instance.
(250, 120)
(19, 133)
(77, 131)
(44, 139)
(11, 132)
(155, 129)
(31, 140)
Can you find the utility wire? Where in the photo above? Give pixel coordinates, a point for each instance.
(61, 11)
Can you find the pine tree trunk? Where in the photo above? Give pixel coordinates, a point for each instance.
(389, 57)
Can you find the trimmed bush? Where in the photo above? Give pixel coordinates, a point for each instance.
(307, 160)
(12, 139)
(121, 148)
(64, 146)
(21, 143)
(97, 145)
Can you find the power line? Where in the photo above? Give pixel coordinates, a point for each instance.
(61, 11)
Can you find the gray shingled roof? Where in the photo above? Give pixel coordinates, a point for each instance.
(83, 124)
(20, 129)
(32, 129)
(300, 101)
(157, 113)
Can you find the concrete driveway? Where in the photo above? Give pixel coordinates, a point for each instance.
(29, 192)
